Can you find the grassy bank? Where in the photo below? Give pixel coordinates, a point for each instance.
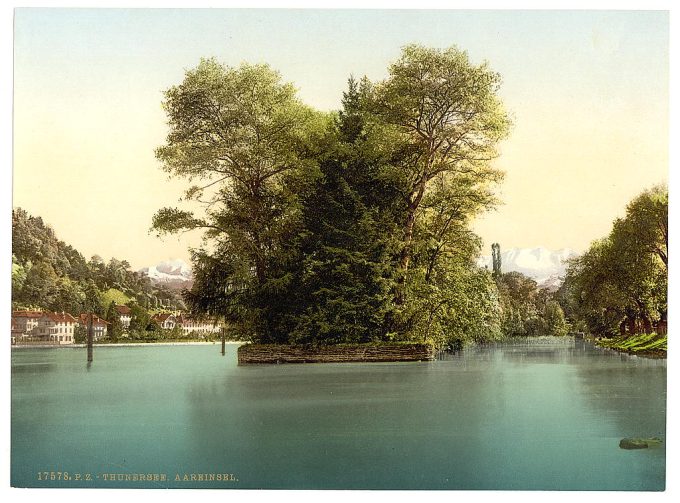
(642, 344)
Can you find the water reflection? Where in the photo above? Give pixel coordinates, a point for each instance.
(500, 417)
(628, 389)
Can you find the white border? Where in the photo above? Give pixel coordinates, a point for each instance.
(76, 495)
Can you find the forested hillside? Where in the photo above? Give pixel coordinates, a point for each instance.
(52, 275)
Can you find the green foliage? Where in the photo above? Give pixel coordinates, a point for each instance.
(114, 295)
(19, 273)
(115, 327)
(620, 283)
(553, 321)
(344, 286)
(80, 334)
(242, 135)
(41, 286)
(339, 229)
(460, 305)
(496, 260)
(641, 343)
(528, 311)
(447, 120)
(139, 318)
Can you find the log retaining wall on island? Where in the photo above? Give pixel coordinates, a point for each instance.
(280, 353)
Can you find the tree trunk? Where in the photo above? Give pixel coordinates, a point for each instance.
(224, 338)
(405, 256)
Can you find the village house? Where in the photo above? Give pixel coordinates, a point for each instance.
(56, 328)
(166, 321)
(185, 322)
(25, 325)
(125, 316)
(190, 324)
(99, 326)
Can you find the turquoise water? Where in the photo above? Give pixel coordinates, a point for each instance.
(514, 416)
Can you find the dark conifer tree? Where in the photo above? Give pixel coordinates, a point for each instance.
(345, 278)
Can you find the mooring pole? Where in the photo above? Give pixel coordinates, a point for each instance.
(222, 332)
(90, 338)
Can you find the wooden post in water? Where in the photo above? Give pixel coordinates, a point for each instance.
(90, 337)
(224, 337)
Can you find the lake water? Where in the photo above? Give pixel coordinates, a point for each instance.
(513, 416)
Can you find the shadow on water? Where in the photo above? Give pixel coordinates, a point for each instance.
(31, 368)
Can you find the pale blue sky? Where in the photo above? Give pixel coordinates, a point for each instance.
(588, 91)
(317, 49)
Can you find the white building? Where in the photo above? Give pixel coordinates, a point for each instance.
(56, 328)
(125, 316)
(186, 323)
(166, 321)
(99, 326)
(190, 324)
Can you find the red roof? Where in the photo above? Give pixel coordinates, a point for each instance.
(123, 310)
(60, 317)
(27, 314)
(96, 320)
(161, 317)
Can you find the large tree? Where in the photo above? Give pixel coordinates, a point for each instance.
(115, 326)
(447, 120)
(240, 135)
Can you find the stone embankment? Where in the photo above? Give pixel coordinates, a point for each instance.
(280, 353)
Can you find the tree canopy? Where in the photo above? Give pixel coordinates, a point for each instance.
(446, 120)
(619, 285)
(344, 227)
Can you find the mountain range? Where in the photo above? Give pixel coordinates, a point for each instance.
(175, 273)
(546, 267)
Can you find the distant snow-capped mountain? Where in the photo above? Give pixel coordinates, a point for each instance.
(541, 264)
(173, 272)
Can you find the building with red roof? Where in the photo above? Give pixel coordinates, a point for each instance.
(25, 324)
(99, 326)
(125, 314)
(57, 328)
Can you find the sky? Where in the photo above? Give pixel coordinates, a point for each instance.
(587, 92)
